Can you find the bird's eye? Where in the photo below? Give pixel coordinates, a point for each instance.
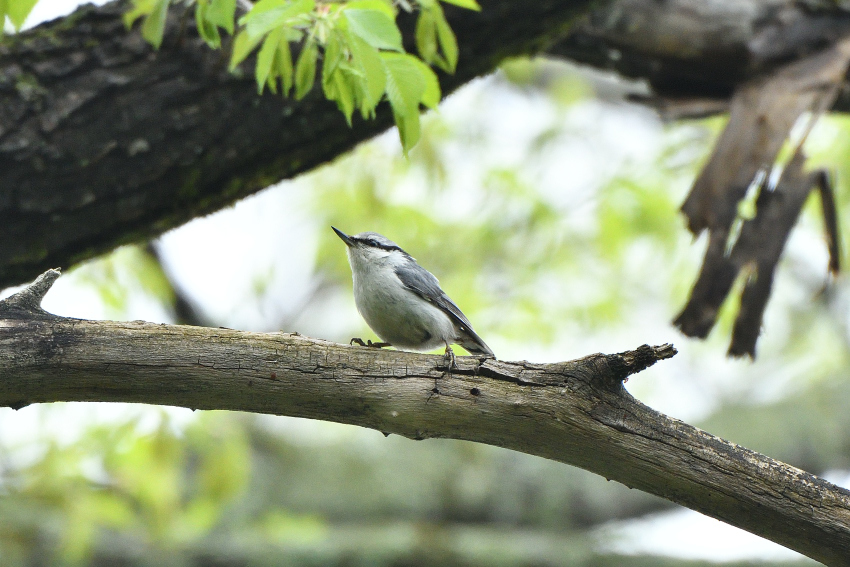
(372, 242)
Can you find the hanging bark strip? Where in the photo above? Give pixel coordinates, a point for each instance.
(762, 114)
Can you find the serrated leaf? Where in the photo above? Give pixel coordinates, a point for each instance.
(332, 57)
(409, 130)
(18, 10)
(265, 59)
(207, 31)
(367, 60)
(448, 41)
(426, 35)
(468, 4)
(342, 82)
(154, 26)
(432, 94)
(405, 88)
(305, 70)
(243, 45)
(221, 13)
(267, 15)
(283, 62)
(375, 27)
(405, 83)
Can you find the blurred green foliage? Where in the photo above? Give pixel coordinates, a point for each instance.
(160, 487)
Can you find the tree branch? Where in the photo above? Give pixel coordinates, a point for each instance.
(702, 50)
(575, 412)
(105, 141)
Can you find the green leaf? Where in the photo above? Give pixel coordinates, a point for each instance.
(469, 4)
(18, 10)
(409, 130)
(265, 59)
(405, 87)
(221, 13)
(283, 61)
(385, 6)
(207, 30)
(367, 60)
(448, 41)
(269, 14)
(332, 58)
(262, 6)
(405, 81)
(426, 35)
(342, 83)
(140, 8)
(305, 70)
(375, 27)
(154, 26)
(243, 45)
(432, 94)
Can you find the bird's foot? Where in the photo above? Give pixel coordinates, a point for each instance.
(359, 341)
(449, 357)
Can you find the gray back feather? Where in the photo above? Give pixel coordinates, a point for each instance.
(423, 282)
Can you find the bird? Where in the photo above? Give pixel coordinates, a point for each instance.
(402, 302)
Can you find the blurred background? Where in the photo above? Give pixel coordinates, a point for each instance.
(548, 208)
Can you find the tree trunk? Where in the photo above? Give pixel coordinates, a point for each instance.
(575, 412)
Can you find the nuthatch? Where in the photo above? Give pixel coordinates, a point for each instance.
(402, 301)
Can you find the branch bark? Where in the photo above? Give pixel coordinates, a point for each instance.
(104, 141)
(703, 49)
(575, 412)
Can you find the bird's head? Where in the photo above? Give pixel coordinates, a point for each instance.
(370, 247)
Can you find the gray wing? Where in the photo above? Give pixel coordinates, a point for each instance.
(424, 284)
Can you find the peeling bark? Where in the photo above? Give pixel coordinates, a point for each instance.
(575, 412)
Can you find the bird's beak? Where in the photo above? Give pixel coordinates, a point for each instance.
(345, 238)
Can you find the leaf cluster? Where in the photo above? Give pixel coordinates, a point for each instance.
(358, 43)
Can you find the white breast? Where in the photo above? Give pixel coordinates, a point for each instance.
(398, 315)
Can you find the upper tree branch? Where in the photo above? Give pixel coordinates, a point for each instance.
(703, 49)
(104, 140)
(575, 412)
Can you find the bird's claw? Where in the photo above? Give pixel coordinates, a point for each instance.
(449, 356)
(368, 343)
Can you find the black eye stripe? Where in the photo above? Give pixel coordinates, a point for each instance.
(376, 244)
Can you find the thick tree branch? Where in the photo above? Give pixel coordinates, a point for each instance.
(105, 141)
(575, 412)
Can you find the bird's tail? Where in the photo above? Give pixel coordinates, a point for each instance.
(473, 344)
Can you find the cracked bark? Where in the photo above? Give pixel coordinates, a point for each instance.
(576, 412)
